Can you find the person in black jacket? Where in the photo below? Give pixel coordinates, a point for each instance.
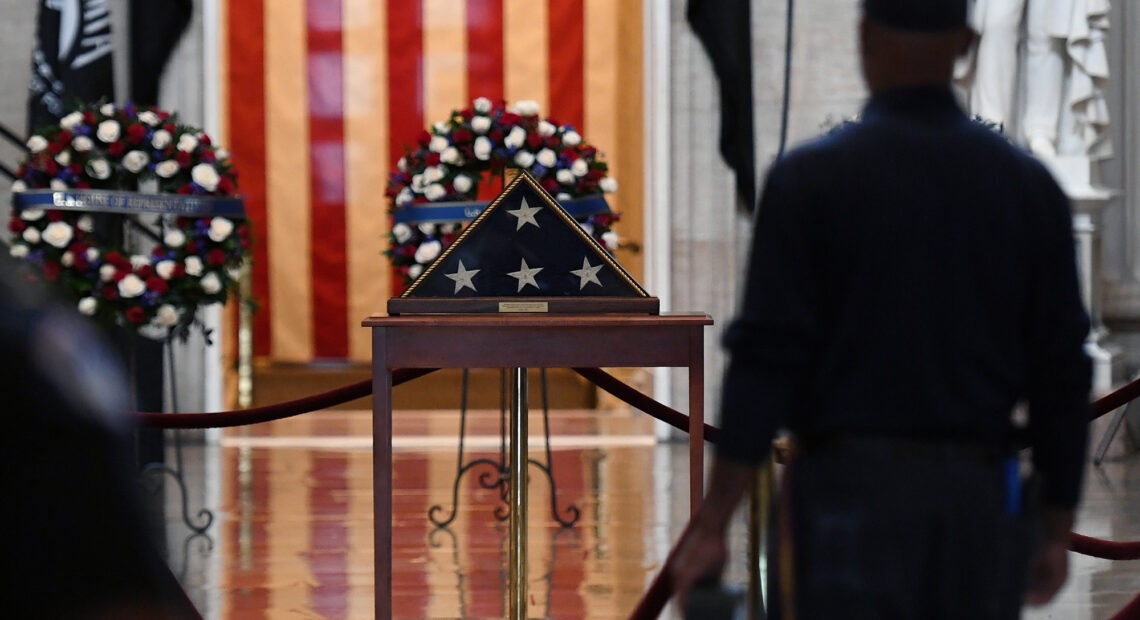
(76, 543)
(912, 280)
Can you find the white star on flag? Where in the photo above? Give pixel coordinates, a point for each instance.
(525, 275)
(525, 213)
(587, 273)
(463, 277)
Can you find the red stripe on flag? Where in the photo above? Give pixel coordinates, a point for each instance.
(245, 135)
(405, 82)
(485, 49)
(328, 241)
(566, 54)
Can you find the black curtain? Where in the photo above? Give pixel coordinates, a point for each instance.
(156, 27)
(724, 27)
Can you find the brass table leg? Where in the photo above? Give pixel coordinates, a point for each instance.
(517, 603)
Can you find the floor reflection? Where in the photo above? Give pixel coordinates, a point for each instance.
(293, 534)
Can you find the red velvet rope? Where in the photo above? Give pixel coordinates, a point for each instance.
(257, 415)
(1131, 611)
(1104, 549)
(640, 401)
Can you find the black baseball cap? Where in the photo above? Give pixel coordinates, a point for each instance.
(917, 15)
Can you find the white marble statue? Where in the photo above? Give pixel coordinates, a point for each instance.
(1050, 92)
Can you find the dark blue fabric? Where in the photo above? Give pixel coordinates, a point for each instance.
(912, 274)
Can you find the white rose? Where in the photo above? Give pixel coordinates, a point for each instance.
(206, 175)
(220, 229)
(221, 154)
(164, 269)
(108, 109)
(434, 174)
(439, 127)
(402, 165)
(211, 284)
(37, 143)
(565, 177)
(19, 186)
(234, 273)
(515, 138)
(447, 229)
(427, 228)
(167, 168)
(451, 155)
(167, 315)
(135, 161)
(482, 104)
(405, 197)
(462, 183)
(193, 266)
(438, 144)
(527, 107)
(131, 286)
(610, 238)
(402, 232)
(99, 169)
(562, 196)
(58, 185)
(571, 138)
(108, 131)
(415, 270)
(106, 272)
(418, 183)
(609, 185)
(586, 226)
(31, 215)
(92, 255)
(31, 235)
(481, 124)
(174, 238)
(58, 234)
(524, 159)
(579, 167)
(88, 305)
(161, 139)
(81, 144)
(64, 158)
(150, 118)
(428, 251)
(67, 259)
(482, 148)
(71, 121)
(547, 158)
(546, 128)
(435, 191)
(139, 260)
(18, 250)
(187, 143)
(85, 223)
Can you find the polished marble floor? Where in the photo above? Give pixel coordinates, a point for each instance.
(292, 536)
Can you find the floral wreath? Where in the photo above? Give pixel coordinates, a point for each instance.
(194, 261)
(450, 161)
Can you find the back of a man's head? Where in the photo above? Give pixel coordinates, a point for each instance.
(912, 42)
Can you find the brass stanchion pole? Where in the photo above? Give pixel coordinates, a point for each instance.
(245, 340)
(518, 459)
(759, 531)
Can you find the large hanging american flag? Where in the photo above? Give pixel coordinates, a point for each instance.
(524, 245)
(322, 96)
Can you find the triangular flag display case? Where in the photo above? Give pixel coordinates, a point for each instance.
(524, 253)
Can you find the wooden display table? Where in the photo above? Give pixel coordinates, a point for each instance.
(519, 341)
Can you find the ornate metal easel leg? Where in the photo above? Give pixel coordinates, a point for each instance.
(155, 470)
(517, 594)
(461, 468)
(548, 467)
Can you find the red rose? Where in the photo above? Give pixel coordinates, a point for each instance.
(51, 270)
(89, 117)
(55, 216)
(424, 138)
(534, 141)
(136, 133)
(79, 264)
(82, 185)
(216, 257)
(179, 270)
(162, 114)
(135, 314)
(205, 140)
(16, 225)
(496, 135)
(65, 136)
(51, 167)
(116, 149)
(432, 159)
(170, 128)
(208, 156)
(157, 284)
(110, 292)
(192, 246)
(145, 271)
(550, 185)
(183, 158)
(461, 135)
(225, 185)
(186, 189)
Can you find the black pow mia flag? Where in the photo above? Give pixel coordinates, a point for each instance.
(524, 244)
(71, 59)
(156, 27)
